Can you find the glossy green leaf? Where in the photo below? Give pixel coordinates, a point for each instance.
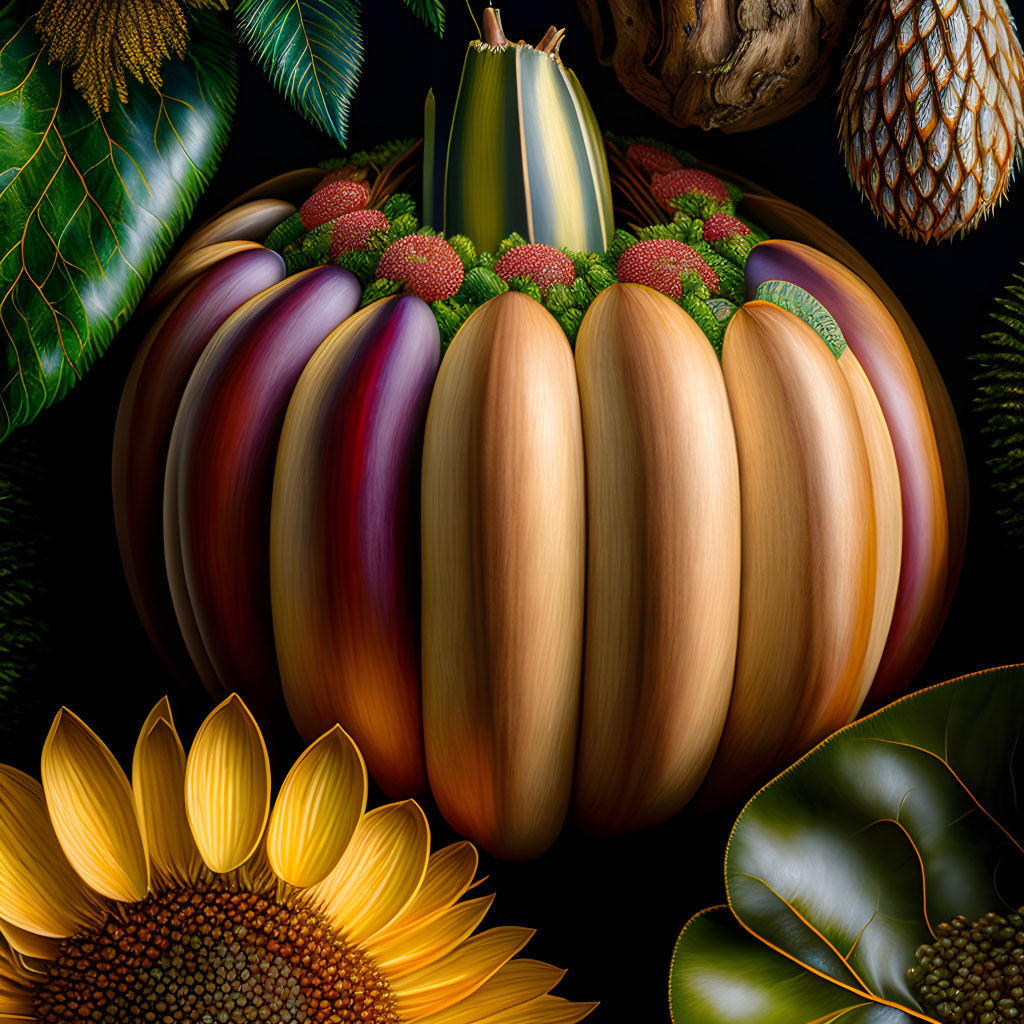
(430, 12)
(842, 866)
(312, 50)
(90, 206)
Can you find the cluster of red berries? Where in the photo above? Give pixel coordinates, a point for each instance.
(343, 201)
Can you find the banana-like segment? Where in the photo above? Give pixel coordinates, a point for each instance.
(788, 221)
(663, 571)
(503, 577)
(220, 468)
(142, 434)
(809, 562)
(344, 537)
(878, 343)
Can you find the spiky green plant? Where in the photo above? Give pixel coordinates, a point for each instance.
(1000, 400)
(22, 588)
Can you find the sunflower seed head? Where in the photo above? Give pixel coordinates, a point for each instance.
(932, 112)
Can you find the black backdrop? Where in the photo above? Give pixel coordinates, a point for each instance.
(608, 910)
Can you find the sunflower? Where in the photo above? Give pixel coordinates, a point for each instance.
(184, 896)
(102, 39)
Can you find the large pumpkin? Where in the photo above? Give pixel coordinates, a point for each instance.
(663, 540)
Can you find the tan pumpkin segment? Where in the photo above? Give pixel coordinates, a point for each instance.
(663, 577)
(888, 506)
(503, 577)
(809, 561)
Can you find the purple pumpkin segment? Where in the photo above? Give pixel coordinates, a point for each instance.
(142, 435)
(222, 456)
(345, 537)
(875, 339)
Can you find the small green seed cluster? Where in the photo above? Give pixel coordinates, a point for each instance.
(973, 972)
(213, 955)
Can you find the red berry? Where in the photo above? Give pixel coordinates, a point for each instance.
(544, 263)
(679, 183)
(721, 225)
(651, 160)
(658, 262)
(346, 173)
(428, 265)
(332, 201)
(352, 230)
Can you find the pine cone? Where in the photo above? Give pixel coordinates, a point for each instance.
(931, 118)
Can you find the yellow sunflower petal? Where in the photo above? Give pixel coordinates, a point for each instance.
(93, 810)
(317, 810)
(449, 874)
(379, 873)
(29, 943)
(517, 983)
(158, 781)
(459, 974)
(430, 940)
(227, 786)
(543, 1010)
(16, 1006)
(38, 889)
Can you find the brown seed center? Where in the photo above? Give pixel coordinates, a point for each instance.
(213, 955)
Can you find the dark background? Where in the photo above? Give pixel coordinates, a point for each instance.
(608, 910)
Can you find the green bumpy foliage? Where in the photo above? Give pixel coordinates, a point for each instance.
(1000, 400)
(90, 206)
(567, 304)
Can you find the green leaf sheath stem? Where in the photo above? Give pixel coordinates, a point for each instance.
(89, 206)
(312, 51)
(1000, 400)
(840, 870)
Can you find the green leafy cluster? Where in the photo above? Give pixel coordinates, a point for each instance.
(1000, 399)
(594, 272)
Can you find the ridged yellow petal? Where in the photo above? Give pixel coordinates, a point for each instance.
(227, 786)
(450, 872)
(158, 781)
(317, 810)
(29, 943)
(93, 810)
(459, 974)
(517, 983)
(16, 1006)
(379, 873)
(434, 938)
(38, 889)
(543, 1010)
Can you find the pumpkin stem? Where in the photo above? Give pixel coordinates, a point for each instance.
(551, 41)
(492, 32)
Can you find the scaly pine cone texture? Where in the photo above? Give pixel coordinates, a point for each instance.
(931, 118)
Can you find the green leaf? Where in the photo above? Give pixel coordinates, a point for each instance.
(312, 50)
(430, 12)
(90, 206)
(842, 866)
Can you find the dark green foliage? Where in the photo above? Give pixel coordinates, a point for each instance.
(312, 52)
(290, 230)
(1000, 400)
(464, 249)
(90, 206)
(23, 631)
(430, 12)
